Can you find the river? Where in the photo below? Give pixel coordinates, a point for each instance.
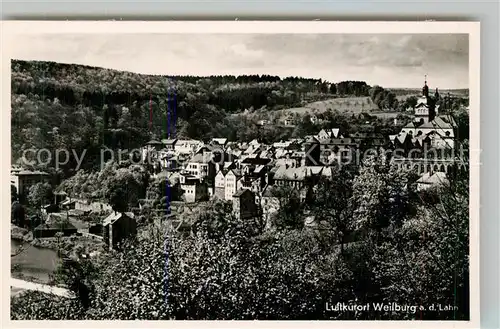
(34, 262)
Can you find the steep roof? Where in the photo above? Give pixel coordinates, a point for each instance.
(169, 141)
(114, 216)
(236, 172)
(412, 124)
(282, 144)
(436, 178)
(258, 169)
(402, 137)
(448, 119)
(422, 101)
(256, 160)
(200, 158)
(335, 132)
(443, 122)
(240, 192)
(220, 141)
(297, 173)
(222, 172)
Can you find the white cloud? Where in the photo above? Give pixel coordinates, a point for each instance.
(387, 60)
(240, 49)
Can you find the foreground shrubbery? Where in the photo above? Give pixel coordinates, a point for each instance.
(412, 251)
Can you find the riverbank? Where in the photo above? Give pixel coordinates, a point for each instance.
(69, 244)
(36, 260)
(18, 274)
(20, 285)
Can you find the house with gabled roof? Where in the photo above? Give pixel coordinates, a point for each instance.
(117, 227)
(220, 184)
(244, 205)
(340, 150)
(432, 179)
(329, 133)
(23, 180)
(233, 184)
(187, 146)
(169, 144)
(219, 142)
(194, 189)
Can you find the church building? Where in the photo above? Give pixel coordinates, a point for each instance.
(426, 109)
(432, 133)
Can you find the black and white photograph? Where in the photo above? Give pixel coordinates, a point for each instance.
(243, 174)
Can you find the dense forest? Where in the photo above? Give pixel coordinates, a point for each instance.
(83, 109)
(74, 107)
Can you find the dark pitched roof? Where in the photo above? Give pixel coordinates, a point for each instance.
(270, 191)
(114, 216)
(224, 171)
(412, 124)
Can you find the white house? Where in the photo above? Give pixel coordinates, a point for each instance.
(429, 180)
(232, 178)
(220, 184)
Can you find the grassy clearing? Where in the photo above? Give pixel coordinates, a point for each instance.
(345, 104)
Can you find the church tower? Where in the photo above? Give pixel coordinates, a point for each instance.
(425, 108)
(425, 89)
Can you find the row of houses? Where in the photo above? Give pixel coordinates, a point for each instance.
(221, 168)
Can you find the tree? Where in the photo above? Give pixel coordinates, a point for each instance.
(333, 89)
(305, 126)
(290, 211)
(332, 204)
(118, 199)
(123, 186)
(35, 305)
(77, 274)
(213, 220)
(382, 195)
(425, 261)
(39, 194)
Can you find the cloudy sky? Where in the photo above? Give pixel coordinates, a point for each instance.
(389, 60)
